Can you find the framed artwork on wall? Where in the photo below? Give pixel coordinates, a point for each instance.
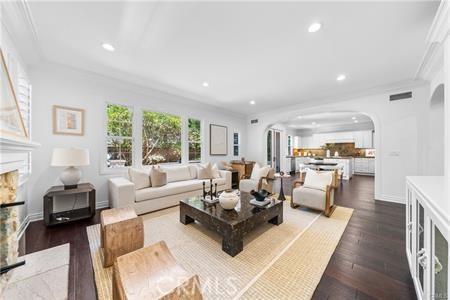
(218, 140)
(11, 121)
(68, 120)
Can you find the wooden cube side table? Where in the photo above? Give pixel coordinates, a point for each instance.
(122, 231)
(153, 273)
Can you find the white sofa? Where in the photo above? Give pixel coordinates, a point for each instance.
(182, 182)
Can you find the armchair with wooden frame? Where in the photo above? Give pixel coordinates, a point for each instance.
(246, 184)
(320, 196)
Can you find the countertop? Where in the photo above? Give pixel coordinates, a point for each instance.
(332, 157)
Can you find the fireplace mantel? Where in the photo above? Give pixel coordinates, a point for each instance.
(8, 145)
(12, 153)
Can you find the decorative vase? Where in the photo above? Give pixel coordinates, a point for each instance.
(228, 199)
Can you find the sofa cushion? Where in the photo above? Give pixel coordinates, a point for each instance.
(219, 181)
(259, 172)
(318, 180)
(171, 188)
(177, 173)
(158, 177)
(192, 171)
(140, 178)
(312, 198)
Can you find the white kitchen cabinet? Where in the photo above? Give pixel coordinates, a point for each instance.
(363, 139)
(365, 165)
(427, 230)
(306, 141)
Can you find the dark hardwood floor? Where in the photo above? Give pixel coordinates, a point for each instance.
(369, 262)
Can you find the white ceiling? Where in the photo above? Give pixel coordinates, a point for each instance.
(328, 120)
(258, 51)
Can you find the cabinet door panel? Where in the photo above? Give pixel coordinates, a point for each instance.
(440, 267)
(420, 247)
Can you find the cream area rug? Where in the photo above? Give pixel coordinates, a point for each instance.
(285, 261)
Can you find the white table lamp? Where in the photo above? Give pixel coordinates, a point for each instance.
(70, 158)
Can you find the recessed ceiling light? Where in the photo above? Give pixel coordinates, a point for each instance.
(314, 27)
(356, 121)
(205, 84)
(314, 123)
(341, 77)
(299, 117)
(353, 118)
(108, 47)
(253, 102)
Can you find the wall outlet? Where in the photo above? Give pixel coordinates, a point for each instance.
(394, 153)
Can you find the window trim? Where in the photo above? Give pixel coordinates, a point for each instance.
(104, 170)
(238, 144)
(188, 141)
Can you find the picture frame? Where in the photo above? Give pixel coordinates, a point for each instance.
(68, 120)
(12, 125)
(218, 140)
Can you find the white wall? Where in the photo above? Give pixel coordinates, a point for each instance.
(13, 59)
(398, 129)
(57, 85)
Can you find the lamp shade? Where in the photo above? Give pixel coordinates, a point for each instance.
(67, 157)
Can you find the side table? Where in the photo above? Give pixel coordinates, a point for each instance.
(234, 179)
(54, 218)
(281, 175)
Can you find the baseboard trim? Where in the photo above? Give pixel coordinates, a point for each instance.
(390, 198)
(102, 204)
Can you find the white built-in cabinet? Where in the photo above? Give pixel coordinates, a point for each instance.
(362, 139)
(365, 165)
(427, 230)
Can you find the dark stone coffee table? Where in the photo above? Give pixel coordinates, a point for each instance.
(234, 224)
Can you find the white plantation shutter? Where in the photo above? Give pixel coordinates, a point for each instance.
(22, 88)
(24, 99)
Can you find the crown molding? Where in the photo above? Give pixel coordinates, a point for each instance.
(377, 90)
(139, 87)
(18, 21)
(432, 59)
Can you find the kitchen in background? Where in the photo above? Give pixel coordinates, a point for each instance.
(342, 138)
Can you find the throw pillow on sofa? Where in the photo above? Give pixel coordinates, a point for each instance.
(207, 171)
(158, 177)
(140, 178)
(259, 172)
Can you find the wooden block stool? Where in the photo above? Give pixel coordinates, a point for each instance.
(122, 231)
(153, 273)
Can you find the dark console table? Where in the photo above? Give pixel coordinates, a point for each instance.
(54, 218)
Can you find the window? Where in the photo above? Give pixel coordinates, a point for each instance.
(194, 140)
(289, 145)
(236, 143)
(161, 138)
(119, 136)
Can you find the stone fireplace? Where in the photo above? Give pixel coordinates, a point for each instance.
(14, 172)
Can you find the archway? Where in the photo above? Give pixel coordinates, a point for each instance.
(435, 146)
(346, 129)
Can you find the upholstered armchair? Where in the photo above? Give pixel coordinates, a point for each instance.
(315, 191)
(257, 182)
